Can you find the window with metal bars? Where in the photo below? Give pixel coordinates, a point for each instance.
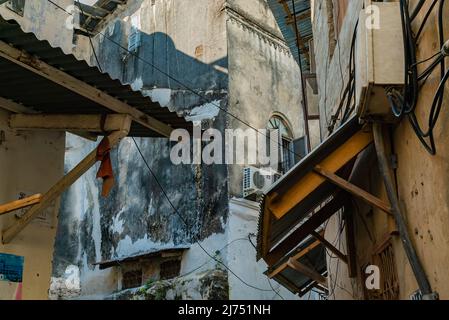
(170, 269)
(389, 284)
(132, 279)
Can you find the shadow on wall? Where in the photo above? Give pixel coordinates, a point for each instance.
(136, 216)
(155, 53)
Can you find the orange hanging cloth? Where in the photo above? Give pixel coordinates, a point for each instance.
(105, 172)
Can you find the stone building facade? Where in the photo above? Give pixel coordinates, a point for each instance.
(421, 178)
(223, 64)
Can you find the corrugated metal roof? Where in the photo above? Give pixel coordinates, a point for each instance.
(25, 87)
(304, 25)
(92, 16)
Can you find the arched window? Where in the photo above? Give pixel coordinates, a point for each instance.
(286, 147)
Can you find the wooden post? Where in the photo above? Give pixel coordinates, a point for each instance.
(329, 246)
(312, 274)
(58, 189)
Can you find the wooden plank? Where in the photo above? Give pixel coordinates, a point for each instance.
(354, 190)
(13, 106)
(63, 79)
(308, 272)
(282, 204)
(314, 222)
(79, 122)
(20, 204)
(57, 190)
(329, 246)
(298, 256)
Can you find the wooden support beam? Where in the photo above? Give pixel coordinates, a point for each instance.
(75, 123)
(313, 223)
(13, 106)
(65, 80)
(56, 191)
(280, 205)
(354, 190)
(308, 272)
(330, 247)
(297, 256)
(20, 204)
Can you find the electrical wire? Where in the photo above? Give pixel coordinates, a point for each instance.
(90, 39)
(186, 87)
(176, 211)
(152, 172)
(348, 98)
(404, 103)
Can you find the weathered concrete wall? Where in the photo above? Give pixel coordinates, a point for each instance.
(182, 40)
(422, 189)
(264, 76)
(243, 223)
(332, 61)
(46, 21)
(30, 163)
(185, 47)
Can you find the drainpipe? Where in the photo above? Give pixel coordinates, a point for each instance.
(385, 170)
(303, 85)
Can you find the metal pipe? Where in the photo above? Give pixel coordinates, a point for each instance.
(385, 170)
(303, 86)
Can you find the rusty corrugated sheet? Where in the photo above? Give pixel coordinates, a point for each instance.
(304, 26)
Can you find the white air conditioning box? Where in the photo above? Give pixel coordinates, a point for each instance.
(256, 180)
(379, 59)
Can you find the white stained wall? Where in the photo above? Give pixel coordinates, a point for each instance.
(243, 220)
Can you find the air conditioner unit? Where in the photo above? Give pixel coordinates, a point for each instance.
(256, 180)
(379, 59)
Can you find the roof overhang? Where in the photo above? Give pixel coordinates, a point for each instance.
(92, 16)
(42, 79)
(297, 206)
(170, 253)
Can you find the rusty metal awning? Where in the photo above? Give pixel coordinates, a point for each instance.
(169, 253)
(25, 62)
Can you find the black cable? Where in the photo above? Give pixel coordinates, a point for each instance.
(187, 87)
(426, 17)
(90, 39)
(153, 174)
(176, 211)
(405, 103)
(417, 10)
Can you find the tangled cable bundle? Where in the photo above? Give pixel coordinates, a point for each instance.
(404, 102)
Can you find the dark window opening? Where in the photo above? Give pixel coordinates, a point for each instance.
(170, 269)
(132, 279)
